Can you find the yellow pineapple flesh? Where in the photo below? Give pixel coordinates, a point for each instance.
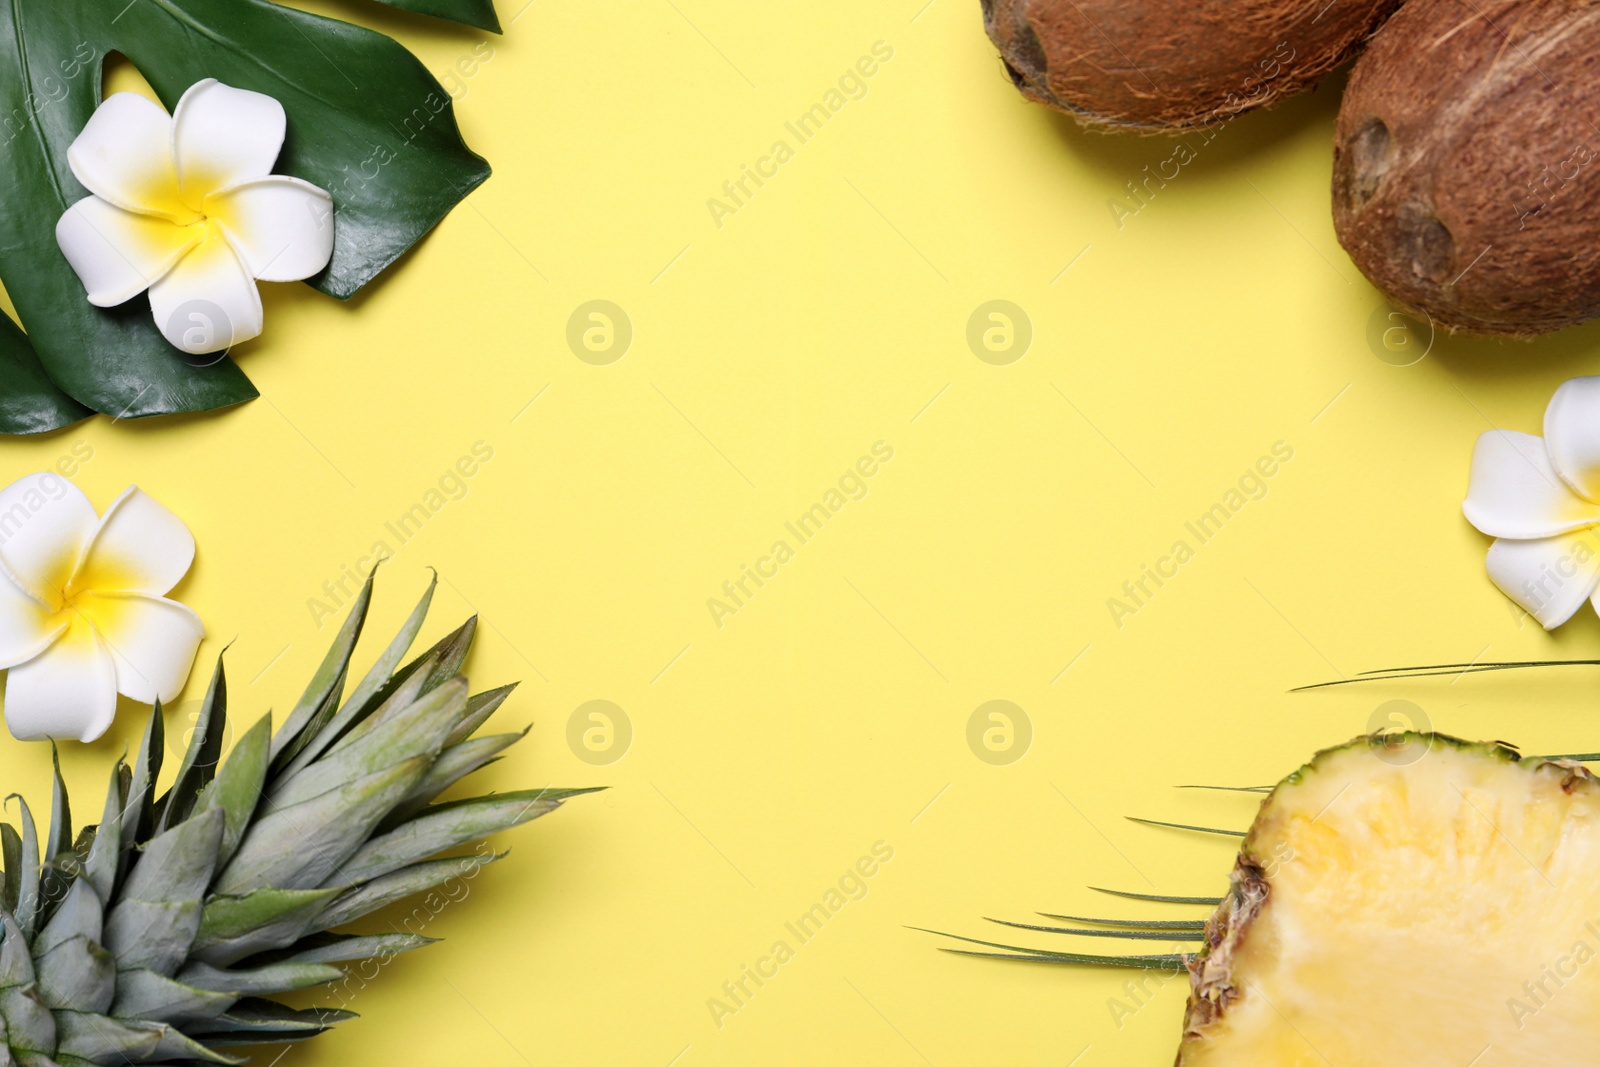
(1409, 901)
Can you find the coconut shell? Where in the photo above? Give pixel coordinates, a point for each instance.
(1466, 179)
(1162, 65)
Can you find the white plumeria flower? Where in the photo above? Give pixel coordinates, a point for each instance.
(83, 611)
(187, 207)
(1540, 496)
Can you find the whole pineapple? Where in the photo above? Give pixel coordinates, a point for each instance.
(162, 934)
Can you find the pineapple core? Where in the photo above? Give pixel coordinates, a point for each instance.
(1414, 904)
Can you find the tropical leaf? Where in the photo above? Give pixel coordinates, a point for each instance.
(1162, 961)
(1438, 670)
(367, 122)
(479, 13)
(1157, 898)
(29, 401)
(1132, 924)
(1125, 931)
(1186, 826)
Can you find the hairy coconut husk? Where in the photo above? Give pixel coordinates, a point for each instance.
(1466, 179)
(1162, 66)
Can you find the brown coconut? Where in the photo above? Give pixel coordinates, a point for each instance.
(1466, 180)
(1161, 65)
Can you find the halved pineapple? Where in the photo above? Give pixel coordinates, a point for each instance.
(1409, 901)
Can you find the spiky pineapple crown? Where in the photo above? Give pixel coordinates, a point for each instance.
(162, 934)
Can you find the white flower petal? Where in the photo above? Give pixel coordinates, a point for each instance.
(222, 135)
(1515, 492)
(140, 547)
(70, 690)
(119, 254)
(26, 628)
(1550, 578)
(208, 302)
(1572, 435)
(46, 523)
(152, 640)
(124, 155)
(281, 227)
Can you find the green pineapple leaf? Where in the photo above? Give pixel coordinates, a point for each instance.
(165, 932)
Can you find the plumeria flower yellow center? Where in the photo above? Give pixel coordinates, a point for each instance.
(83, 607)
(1540, 497)
(186, 206)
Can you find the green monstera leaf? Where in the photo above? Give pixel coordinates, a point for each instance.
(367, 122)
(479, 13)
(29, 403)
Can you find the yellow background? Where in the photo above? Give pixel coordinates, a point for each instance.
(830, 713)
